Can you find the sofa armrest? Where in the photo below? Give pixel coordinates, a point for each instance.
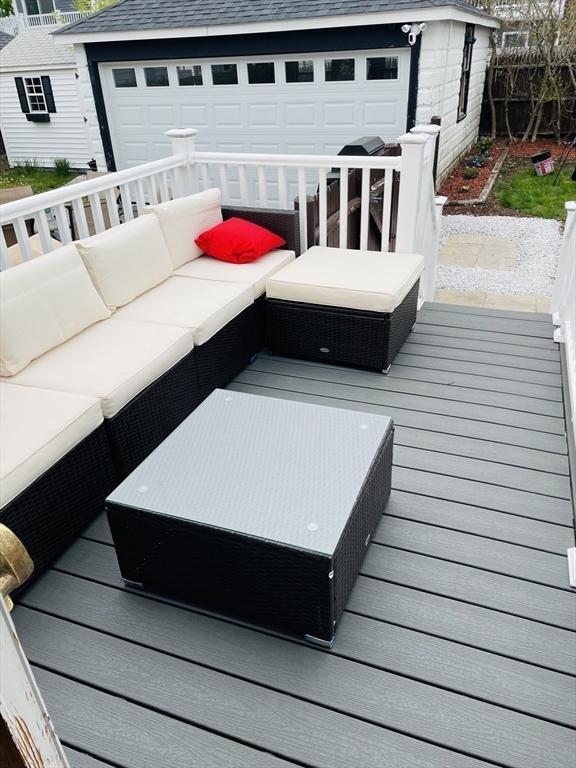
(283, 223)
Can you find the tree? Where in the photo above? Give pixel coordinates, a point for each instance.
(90, 6)
(6, 8)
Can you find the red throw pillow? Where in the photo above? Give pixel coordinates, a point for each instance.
(238, 241)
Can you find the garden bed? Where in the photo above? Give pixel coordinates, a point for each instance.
(517, 191)
(40, 179)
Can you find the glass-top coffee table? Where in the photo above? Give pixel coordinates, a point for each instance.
(258, 508)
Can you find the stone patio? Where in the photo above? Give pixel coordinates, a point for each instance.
(484, 252)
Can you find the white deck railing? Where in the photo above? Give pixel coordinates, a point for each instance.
(254, 180)
(563, 304)
(15, 24)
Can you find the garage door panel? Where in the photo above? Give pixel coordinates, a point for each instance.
(285, 117)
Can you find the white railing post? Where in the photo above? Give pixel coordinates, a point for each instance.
(411, 177)
(183, 145)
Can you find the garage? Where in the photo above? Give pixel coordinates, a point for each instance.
(295, 103)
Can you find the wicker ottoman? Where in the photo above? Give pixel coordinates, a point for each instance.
(259, 508)
(343, 306)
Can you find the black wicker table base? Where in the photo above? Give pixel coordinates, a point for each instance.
(339, 335)
(258, 508)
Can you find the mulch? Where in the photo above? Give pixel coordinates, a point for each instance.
(455, 187)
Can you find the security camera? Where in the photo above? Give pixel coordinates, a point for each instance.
(413, 30)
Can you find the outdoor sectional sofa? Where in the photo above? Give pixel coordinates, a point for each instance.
(107, 345)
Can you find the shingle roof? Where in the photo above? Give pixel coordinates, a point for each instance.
(4, 39)
(33, 48)
(170, 14)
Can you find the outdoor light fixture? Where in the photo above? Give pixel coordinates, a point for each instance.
(413, 30)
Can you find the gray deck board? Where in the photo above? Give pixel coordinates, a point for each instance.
(458, 645)
(535, 317)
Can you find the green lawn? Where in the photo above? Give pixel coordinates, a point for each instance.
(40, 179)
(537, 195)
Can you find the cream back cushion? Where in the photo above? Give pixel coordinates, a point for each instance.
(126, 260)
(43, 303)
(183, 219)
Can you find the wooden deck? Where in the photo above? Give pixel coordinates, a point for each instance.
(458, 645)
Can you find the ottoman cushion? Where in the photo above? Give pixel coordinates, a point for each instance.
(336, 277)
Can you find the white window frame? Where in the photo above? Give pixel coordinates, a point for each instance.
(38, 11)
(28, 84)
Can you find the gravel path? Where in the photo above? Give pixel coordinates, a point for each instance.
(538, 242)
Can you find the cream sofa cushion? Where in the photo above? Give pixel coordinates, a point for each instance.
(183, 219)
(205, 306)
(126, 260)
(43, 303)
(255, 273)
(113, 361)
(38, 428)
(336, 277)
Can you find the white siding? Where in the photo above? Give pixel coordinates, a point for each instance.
(40, 143)
(439, 87)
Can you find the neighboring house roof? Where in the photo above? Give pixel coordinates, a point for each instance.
(33, 49)
(132, 15)
(5, 38)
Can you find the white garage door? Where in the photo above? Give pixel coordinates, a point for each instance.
(292, 104)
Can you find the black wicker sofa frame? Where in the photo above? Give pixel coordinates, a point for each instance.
(53, 510)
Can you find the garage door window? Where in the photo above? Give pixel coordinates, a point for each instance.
(382, 68)
(156, 76)
(124, 78)
(261, 72)
(300, 71)
(339, 69)
(224, 74)
(190, 75)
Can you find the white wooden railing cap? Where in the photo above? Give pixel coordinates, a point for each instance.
(182, 133)
(570, 205)
(413, 138)
(431, 130)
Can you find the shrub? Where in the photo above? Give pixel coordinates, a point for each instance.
(62, 166)
(470, 173)
(485, 145)
(475, 161)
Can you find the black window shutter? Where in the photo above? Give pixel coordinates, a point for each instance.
(48, 95)
(22, 94)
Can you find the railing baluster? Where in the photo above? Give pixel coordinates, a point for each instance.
(204, 176)
(302, 209)
(343, 223)
(22, 238)
(386, 210)
(243, 184)
(80, 218)
(4, 258)
(322, 207)
(224, 183)
(62, 221)
(262, 186)
(282, 187)
(164, 194)
(365, 208)
(126, 196)
(96, 208)
(44, 231)
(140, 196)
(112, 207)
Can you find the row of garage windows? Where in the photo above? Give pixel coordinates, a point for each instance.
(377, 68)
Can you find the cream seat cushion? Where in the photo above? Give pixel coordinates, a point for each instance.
(205, 306)
(183, 219)
(113, 360)
(38, 428)
(126, 260)
(43, 303)
(367, 280)
(255, 273)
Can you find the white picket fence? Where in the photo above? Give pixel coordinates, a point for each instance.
(254, 180)
(563, 305)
